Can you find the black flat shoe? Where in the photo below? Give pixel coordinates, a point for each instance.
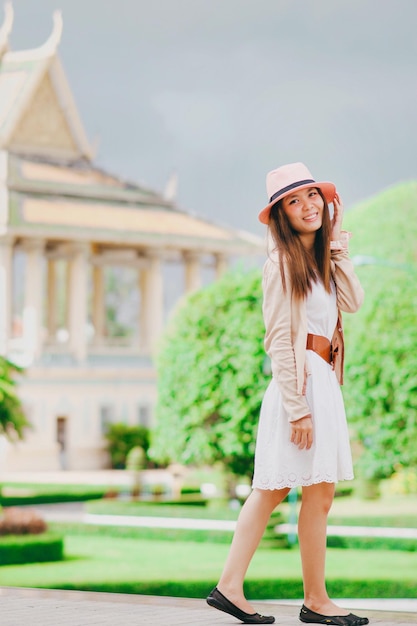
(219, 601)
(310, 617)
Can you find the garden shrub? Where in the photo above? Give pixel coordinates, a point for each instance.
(135, 459)
(16, 521)
(122, 438)
(50, 497)
(20, 549)
(13, 420)
(212, 375)
(188, 489)
(381, 360)
(373, 543)
(195, 499)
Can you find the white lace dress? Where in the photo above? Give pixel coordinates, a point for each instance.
(278, 462)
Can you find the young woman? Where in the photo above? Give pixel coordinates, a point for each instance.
(302, 438)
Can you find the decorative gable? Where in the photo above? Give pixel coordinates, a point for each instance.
(38, 115)
(43, 129)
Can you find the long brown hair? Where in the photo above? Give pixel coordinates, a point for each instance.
(303, 267)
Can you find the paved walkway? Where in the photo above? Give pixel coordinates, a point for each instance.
(75, 608)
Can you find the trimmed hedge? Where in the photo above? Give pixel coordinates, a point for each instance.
(20, 549)
(373, 543)
(291, 589)
(225, 536)
(139, 532)
(53, 497)
(184, 500)
(152, 508)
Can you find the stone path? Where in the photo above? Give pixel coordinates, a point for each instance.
(41, 607)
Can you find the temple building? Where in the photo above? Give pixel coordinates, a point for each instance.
(66, 226)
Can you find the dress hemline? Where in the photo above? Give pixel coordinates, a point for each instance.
(302, 484)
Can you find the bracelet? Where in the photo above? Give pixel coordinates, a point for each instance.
(342, 243)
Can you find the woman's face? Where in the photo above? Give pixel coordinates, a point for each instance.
(304, 210)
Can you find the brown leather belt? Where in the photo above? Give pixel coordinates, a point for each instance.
(321, 345)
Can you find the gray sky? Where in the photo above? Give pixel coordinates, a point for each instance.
(221, 91)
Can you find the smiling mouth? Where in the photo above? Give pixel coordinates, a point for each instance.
(311, 217)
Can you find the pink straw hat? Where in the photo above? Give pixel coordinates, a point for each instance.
(286, 180)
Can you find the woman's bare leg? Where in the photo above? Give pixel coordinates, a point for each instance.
(250, 527)
(312, 527)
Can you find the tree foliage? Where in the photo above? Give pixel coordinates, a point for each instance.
(12, 418)
(121, 439)
(381, 377)
(381, 387)
(211, 376)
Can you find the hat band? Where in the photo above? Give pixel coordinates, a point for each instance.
(289, 187)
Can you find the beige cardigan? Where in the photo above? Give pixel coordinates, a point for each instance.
(286, 329)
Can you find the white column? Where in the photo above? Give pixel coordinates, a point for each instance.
(221, 264)
(6, 270)
(98, 312)
(192, 271)
(51, 299)
(77, 301)
(67, 298)
(34, 297)
(152, 301)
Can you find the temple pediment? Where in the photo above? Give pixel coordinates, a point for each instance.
(38, 115)
(43, 128)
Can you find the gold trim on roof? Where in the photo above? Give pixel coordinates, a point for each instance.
(55, 174)
(119, 218)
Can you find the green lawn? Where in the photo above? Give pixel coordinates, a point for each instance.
(389, 510)
(95, 562)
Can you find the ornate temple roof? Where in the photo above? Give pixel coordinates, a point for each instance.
(85, 203)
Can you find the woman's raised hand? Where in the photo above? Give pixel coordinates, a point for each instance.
(337, 220)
